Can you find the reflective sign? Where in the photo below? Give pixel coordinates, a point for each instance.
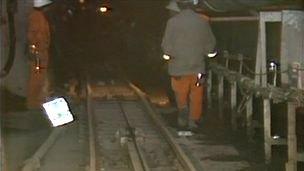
(58, 112)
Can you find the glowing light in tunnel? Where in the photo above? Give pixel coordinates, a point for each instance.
(199, 75)
(166, 57)
(273, 66)
(212, 54)
(103, 9)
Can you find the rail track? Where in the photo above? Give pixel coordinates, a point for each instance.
(121, 131)
(126, 134)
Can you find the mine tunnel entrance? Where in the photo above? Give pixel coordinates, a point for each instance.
(96, 48)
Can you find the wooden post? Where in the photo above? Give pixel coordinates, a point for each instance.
(221, 86)
(233, 101)
(262, 78)
(234, 91)
(262, 27)
(209, 89)
(292, 47)
(2, 54)
(220, 95)
(300, 75)
(258, 63)
(260, 66)
(227, 63)
(291, 165)
(267, 130)
(249, 115)
(226, 56)
(241, 60)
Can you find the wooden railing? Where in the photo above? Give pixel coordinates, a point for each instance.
(240, 83)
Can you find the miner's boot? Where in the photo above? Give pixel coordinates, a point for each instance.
(192, 125)
(183, 118)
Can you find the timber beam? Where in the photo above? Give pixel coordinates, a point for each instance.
(277, 94)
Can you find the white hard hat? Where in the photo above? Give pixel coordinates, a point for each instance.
(193, 2)
(173, 6)
(41, 3)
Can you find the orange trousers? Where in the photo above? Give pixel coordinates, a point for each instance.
(188, 95)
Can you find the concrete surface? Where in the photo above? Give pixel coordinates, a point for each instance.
(67, 154)
(21, 144)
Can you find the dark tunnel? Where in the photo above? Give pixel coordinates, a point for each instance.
(124, 43)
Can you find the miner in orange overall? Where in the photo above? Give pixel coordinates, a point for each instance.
(39, 45)
(187, 40)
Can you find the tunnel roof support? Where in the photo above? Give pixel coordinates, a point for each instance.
(291, 50)
(260, 67)
(292, 47)
(291, 62)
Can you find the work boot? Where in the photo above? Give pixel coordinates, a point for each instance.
(183, 118)
(182, 124)
(192, 124)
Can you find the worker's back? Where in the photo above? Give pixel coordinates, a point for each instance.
(187, 40)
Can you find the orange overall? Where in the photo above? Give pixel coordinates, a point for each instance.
(187, 93)
(187, 39)
(38, 35)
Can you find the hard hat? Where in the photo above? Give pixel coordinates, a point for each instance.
(193, 2)
(187, 4)
(41, 3)
(173, 6)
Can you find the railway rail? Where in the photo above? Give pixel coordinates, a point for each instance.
(126, 134)
(121, 130)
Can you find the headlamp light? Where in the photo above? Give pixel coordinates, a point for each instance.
(273, 66)
(212, 54)
(33, 46)
(103, 9)
(199, 75)
(166, 57)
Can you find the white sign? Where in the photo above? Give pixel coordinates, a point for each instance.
(58, 111)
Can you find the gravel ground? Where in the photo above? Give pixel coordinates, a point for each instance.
(22, 131)
(20, 144)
